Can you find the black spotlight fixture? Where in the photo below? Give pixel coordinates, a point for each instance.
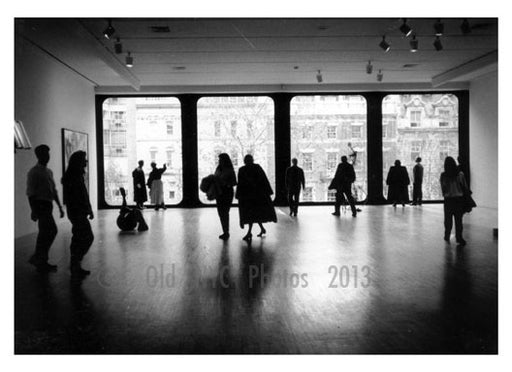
(319, 76)
(109, 31)
(414, 44)
(437, 44)
(369, 68)
(405, 29)
(464, 27)
(439, 28)
(384, 44)
(380, 76)
(129, 60)
(118, 47)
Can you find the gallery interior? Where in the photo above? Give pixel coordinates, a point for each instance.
(181, 91)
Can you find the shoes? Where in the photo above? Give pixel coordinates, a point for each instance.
(446, 238)
(262, 232)
(335, 213)
(143, 228)
(248, 237)
(78, 273)
(461, 242)
(354, 214)
(403, 205)
(291, 213)
(42, 266)
(394, 205)
(224, 236)
(295, 214)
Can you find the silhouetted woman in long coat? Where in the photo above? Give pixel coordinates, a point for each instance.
(398, 182)
(253, 194)
(454, 187)
(226, 179)
(79, 209)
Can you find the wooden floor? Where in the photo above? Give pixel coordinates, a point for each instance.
(397, 287)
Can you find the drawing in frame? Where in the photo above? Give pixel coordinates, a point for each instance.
(73, 141)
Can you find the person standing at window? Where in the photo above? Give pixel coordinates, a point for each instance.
(41, 193)
(417, 193)
(454, 187)
(342, 183)
(294, 180)
(156, 186)
(79, 209)
(253, 194)
(140, 194)
(398, 184)
(226, 179)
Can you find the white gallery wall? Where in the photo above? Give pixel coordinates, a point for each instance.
(483, 133)
(48, 97)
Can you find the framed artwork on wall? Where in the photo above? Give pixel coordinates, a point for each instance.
(73, 141)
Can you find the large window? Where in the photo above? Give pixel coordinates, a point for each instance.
(237, 125)
(324, 128)
(420, 125)
(141, 128)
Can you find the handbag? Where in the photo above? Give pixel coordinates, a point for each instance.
(468, 203)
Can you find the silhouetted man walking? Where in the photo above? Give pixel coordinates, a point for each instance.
(342, 183)
(41, 193)
(294, 180)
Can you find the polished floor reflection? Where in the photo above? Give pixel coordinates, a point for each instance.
(384, 282)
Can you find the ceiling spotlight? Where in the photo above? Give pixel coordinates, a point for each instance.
(129, 60)
(439, 27)
(384, 44)
(406, 30)
(414, 44)
(369, 67)
(464, 27)
(118, 47)
(319, 77)
(109, 31)
(380, 75)
(437, 44)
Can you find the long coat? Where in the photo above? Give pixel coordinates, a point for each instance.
(398, 182)
(253, 194)
(140, 195)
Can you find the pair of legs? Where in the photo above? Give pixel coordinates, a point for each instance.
(248, 236)
(344, 192)
(417, 194)
(224, 202)
(46, 236)
(293, 201)
(453, 210)
(80, 242)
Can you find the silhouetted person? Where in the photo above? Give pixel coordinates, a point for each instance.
(294, 180)
(398, 182)
(253, 194)
(342, 183)
(225, 179)
(453, 186)
(41, 193)
(417, 183)
(79, 209)
(129, 218)
(140, 194)
(156, 187)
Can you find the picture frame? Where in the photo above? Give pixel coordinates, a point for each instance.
(73, 141)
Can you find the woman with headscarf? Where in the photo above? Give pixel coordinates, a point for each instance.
(454, 187)
(253, 194)
(156, 186)
(398, 184)
(225, 179)
(76, 199)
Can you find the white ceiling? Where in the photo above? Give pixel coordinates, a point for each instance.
(199, 53)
